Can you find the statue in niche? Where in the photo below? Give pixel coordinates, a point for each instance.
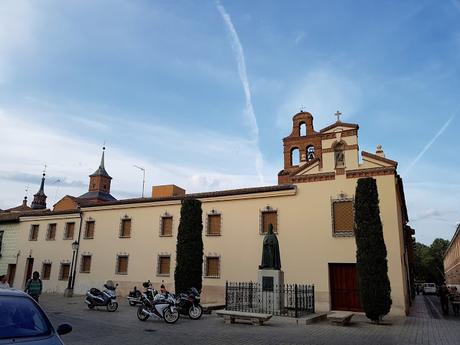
(271, 251)
(339, 157)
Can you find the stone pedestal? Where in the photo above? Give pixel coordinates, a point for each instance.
(271, 283)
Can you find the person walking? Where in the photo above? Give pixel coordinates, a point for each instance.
(4, 282)
(444, 297)
(34, 286)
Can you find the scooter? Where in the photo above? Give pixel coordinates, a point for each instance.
(162, 306)
(188, 303)
(107, 298)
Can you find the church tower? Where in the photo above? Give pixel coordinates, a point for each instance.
(39, 201)
(99, 183)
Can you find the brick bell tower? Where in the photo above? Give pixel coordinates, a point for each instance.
(39, 202)
(99, 183)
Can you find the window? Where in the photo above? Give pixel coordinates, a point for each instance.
(33, 236)
(166, 226)
(164, 265)
(64, 272)
(342, 217)
(51, 235)
(310, 152)
(46, 271)
(214, 223)
(295, 156)
(1, 241)
(85, 266)
(212, 269)
(69, 231)
(89, 229)
(125, 228)
(269, 217)
(122, 264)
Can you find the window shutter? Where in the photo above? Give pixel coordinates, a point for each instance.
(165, 262)
(89, 229)
(166, 226)
(46, 271)
(214, 222)
(65, 270)
(343, 216)
(269, 217)
(86, 264)
(122, 264)
(70, 230)
(212, 267)
(126, 228)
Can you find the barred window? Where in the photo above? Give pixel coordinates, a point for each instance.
(164, 265)
(214, 224)
(64, 272)
(342, 217)
(125, 228)
(85, 266)
(269, 217)
(122, 264)
(166, 226)
(212, 269)
(46, 271)
(51, 235)
(69, 231)
(33, 236)
(89, 229)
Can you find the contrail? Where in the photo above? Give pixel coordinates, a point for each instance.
(427, 146)
(239, 56)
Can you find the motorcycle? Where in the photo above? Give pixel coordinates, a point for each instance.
(107, 298)
(134, 297)
(162, 306)
(188, 303)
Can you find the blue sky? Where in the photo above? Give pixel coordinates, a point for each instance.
(201, 93)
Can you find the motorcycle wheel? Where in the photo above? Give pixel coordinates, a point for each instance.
(112, 306)
(169, 316)
(195, 312)
(141, 315)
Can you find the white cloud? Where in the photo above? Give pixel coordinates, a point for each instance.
(27, 145)
(322, 93)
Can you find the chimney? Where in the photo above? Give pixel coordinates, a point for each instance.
(167, 190)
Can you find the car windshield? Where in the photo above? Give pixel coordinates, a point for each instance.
(20, 317)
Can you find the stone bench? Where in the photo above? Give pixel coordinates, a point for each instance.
(256, 318)
(340, 317)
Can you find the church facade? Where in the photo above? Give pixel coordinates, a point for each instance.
(311, 210)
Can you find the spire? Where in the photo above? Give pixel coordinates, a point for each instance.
(101, 170)
(39, 201)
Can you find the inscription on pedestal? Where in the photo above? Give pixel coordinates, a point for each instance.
(267, 283)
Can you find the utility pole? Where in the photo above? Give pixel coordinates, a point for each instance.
(143, 177)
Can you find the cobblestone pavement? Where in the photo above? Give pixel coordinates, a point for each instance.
(122, 327)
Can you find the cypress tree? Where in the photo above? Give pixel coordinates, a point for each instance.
(189, 250)
(371, 253)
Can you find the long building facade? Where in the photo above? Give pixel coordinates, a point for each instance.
(452, 260)
(311, 209)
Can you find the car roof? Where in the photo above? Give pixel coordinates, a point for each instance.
(13, 292)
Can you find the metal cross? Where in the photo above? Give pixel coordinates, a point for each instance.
(301, 108)
(338, 113)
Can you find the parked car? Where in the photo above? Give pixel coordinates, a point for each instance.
(23, 321)
(429, 288)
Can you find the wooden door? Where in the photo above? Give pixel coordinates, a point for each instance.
(29, 268)
(11, 273)
(343, 281)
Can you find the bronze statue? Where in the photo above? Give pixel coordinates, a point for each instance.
(271, 251)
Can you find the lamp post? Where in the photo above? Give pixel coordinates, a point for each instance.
(70, 283)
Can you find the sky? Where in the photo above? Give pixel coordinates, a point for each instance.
(201, 93)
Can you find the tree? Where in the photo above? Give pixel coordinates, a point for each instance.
(189, 250)
(371, 253)
(429, 261)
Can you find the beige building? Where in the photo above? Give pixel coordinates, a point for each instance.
(130, 241)
(452, 260)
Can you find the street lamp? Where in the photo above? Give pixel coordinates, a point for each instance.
(70, 283)
(143, 177)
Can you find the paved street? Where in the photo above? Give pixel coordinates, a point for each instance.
(122, 327)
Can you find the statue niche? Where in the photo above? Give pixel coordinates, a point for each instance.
(271, 251)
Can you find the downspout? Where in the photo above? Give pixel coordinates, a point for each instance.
(78, 249)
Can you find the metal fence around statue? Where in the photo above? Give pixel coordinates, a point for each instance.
(293, 300)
